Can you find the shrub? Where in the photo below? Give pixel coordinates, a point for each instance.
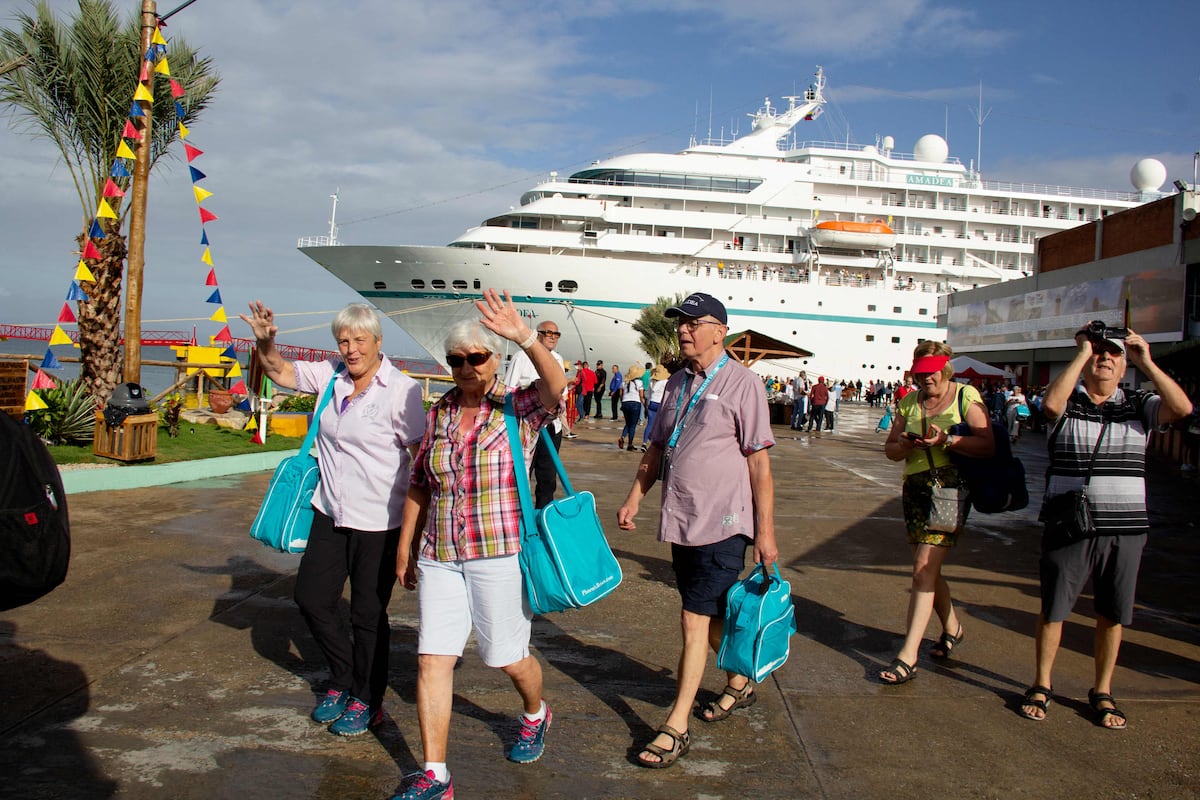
(70, 416)
(298, 402)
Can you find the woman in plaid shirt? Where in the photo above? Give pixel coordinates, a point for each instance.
(464, 495)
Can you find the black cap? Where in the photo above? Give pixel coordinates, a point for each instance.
(699, 305)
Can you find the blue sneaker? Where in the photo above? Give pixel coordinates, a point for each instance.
(424, 787)
(531, 741)
(332, 706)
(357, 719)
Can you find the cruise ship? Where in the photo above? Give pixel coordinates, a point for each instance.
(841, 250)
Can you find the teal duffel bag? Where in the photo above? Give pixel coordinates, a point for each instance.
(565, 557)
(285, 517)
(759, 622)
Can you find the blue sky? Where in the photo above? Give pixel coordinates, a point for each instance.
(430, 117)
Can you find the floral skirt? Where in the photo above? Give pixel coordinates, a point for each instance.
(915, 498)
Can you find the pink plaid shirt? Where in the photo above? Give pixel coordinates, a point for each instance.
(475, 511)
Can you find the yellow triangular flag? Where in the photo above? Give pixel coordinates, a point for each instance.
(183, 131)
(123, 151)
(143, 93)
(106, 211)
(201, 194)
(235, 371)
(34, 403)
(207, 257)
(59, 336)
(82, 273)
(252, 425)
(219, 316)
(161, 67)
(158, 37)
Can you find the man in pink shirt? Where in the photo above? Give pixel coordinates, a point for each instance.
(709, 445)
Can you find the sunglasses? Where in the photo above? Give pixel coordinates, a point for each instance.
(553, 334)
(474, 359)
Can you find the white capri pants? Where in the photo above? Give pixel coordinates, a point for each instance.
(487, 594)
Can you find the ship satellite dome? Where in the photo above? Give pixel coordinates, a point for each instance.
(870, 150)
(889, 143)
(1148, 174)
(931, 148)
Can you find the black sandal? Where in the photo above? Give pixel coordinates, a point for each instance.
(945, 645)
(1042, 705)
(680, 744)
(904, 673)
(1103, 713)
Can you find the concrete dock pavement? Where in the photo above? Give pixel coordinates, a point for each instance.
(173, 664)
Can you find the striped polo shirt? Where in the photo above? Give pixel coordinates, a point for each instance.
(1117, 490)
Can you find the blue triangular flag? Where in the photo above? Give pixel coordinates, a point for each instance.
(204, 237)
(197, 175)
(136, 110)
(229, 352)
(244, 405)
(215, 297)
(50, 362)
(179, 112)
(119, 171)
(150, 53)
(76, 292)
(96, 232)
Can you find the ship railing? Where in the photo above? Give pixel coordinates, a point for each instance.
(317, 241)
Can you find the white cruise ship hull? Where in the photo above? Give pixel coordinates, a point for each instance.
(851, 330)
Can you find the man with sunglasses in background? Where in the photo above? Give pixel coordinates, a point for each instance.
(520, 374)
(709, 446)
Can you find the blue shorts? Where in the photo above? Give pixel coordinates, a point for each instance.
(704, 574)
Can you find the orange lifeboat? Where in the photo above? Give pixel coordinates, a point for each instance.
(853, 235)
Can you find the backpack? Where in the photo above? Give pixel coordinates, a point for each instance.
(35, 538)
(996, 484)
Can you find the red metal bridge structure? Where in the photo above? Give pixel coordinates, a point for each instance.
(37, 333)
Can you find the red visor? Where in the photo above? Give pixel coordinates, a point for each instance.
(927, 364)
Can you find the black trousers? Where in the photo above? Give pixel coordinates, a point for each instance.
(544, 474)
(614, 399)
(598, 395)
(368, 560)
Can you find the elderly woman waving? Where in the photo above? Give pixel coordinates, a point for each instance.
(465, 559)
(363, 442)
(921, 438)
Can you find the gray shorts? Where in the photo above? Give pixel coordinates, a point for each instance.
(1110, 561)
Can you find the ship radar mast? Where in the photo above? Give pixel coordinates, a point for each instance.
(768, 127)
(333, 218)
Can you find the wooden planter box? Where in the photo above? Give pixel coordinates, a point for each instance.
(136, 439)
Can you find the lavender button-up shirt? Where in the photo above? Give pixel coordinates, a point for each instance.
(707, 496)
(362, 448)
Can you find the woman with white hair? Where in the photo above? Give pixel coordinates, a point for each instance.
(367, 434)
(466, 558)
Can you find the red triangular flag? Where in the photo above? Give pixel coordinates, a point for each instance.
(176, 89)
(257, 437)
(211, 280)
(65, 315)
(90, 251)
(130, 132)
(238, 388)
(43, 381)
(224, 336)
(112, 190)
(192, 152)
(207, 216)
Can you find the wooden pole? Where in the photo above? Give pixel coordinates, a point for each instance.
(136, 260)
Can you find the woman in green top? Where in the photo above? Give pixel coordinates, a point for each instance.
(919, 437)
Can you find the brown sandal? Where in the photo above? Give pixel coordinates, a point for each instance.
(742, 698)
(680, 744)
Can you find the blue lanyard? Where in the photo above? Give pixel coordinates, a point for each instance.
(680, 420)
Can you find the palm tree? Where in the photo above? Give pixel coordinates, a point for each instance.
(657, 337)
(73, 84)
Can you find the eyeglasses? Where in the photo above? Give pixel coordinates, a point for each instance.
(693, 324)
(551, 334)
(474, 359)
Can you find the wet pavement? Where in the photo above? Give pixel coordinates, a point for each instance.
(173, 664)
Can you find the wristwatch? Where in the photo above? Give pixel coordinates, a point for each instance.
(950, 439)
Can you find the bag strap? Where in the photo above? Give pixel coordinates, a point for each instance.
(568, 489)
(326, 395)
(519, 467)
(1095, 451)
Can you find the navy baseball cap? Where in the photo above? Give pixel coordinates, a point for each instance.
(699, 305)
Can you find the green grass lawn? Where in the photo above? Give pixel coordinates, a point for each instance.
(193, 442)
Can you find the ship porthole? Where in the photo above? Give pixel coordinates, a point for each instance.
(417, 283)
(438, 283)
